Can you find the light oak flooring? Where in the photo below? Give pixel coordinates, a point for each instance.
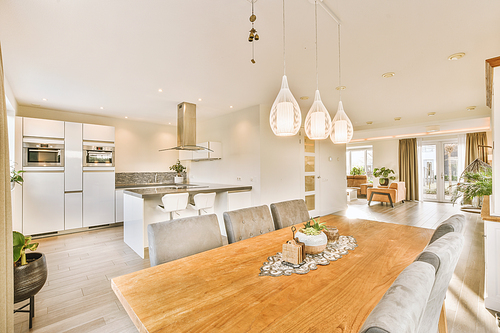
(78, 298)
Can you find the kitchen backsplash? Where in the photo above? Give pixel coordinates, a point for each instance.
(145, 177)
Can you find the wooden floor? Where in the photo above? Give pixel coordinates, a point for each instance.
(78, 298)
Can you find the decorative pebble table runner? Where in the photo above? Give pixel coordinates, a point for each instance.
(274, 266)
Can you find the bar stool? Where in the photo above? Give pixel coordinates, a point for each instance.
(173, 203)
(203, 201)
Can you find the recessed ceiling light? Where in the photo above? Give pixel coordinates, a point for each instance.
(397, 118)
(170, 123)
(471, 108)
(456, 56)
(230, 106)
(44, 99)
(369, 122)
(102, 108)
(432, 128)
(340, 88)
(160, 90)
(431, 114)
(388, 74)
(199, 99)
(304, 98)
(35, 104)
(126, 117)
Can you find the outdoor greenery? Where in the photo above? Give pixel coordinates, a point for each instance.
(475, 184)
(314, 228)
(22, 243)
(357, 171)
(178, 167)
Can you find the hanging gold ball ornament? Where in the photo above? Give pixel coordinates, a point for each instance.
(256, 36)
(252, 18)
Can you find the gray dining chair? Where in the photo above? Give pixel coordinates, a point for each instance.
(401, 308)
(443, 254)
(288, 213)
(247, 223)
(454, 223)
(183, 237)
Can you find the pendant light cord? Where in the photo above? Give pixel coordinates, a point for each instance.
(340, 74)
(284, 58)
(316, 23)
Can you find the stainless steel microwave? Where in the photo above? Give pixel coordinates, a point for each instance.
(98, 156)
(43, 154)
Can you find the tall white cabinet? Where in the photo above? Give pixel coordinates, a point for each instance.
(73, 176)
(98, 198)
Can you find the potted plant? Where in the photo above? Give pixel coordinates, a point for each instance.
(30, 271)
(179, 168)
(16, 177)
(312, 236)
(384, 175)
(474, 187)
(355, 171)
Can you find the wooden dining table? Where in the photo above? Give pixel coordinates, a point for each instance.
(221, 291)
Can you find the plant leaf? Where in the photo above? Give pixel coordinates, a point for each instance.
(18, 242)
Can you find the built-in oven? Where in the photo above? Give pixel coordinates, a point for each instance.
(99, 156)
(48, 153)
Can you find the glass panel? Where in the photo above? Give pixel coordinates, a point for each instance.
(369, 162)
(450, 168)
(358, 159)
(429, 172)
(309, 163)
(308, 145)
(310, 202)
(309, 183)
(348, 162)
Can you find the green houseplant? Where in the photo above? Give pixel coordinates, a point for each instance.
(474, 185)
(30, 271)
(355, 171)
(16, 177)
(384, 175)
(179, 169)
(312, 236)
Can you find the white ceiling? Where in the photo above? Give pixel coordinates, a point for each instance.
(85, 54)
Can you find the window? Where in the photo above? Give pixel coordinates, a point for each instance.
(360, 157)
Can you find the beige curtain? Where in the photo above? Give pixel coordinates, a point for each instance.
(6, 265)
(472, 149)
(408, 167)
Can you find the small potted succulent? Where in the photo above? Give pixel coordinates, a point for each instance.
(30, 269)
(16, 177)
(384, 175)
(312, 236)
(179, 168)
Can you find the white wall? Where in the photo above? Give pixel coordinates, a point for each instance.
(137, 143)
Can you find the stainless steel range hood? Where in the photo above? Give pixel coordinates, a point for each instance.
(186, 128)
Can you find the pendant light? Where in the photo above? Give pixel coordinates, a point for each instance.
(318, 123)
(285, 117)
(341, 125)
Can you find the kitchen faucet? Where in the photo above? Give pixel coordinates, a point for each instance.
(156, 177)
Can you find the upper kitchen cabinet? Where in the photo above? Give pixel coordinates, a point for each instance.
(204, 155)
(98, 133)
(43, 128)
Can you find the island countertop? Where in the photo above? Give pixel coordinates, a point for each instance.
(190, 188)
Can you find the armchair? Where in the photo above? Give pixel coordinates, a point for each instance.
(396, 192)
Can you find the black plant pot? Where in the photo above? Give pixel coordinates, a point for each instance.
(383, 181)
(30, 278)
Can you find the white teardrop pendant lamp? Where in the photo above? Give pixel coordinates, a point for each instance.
(318, 123)
(342, 130)
(285, 117)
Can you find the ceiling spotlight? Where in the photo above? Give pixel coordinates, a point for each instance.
(388, 74)
(126, 117)
(369, 122)
(397, 118)
(456, 56)
(44, 99)
(230, 106)
(304, 98)
(160, 90)
(170, 123)
(199, 99)
(431, 114)
(340, 88)
(432, 128)
(471, 108)
(102, 108)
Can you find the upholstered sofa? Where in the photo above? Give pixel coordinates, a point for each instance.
(397, 191)
(354, 182)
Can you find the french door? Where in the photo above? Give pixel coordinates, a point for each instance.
(439, 170)
(310, 172)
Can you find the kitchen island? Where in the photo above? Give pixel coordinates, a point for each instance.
(140, 207)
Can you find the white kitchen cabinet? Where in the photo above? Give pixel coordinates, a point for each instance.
(119, 205)
(43, 128)
(98, 133)
(43, 202)
(73, 213)
(73, 157)
(203, 155)
(98, 198)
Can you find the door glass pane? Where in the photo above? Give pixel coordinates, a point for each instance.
(308, 145)
(369, 162)
(358, 159)
(429, 172)
(450, 151)
(309, 163)
(310, 202)
(309, 183)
